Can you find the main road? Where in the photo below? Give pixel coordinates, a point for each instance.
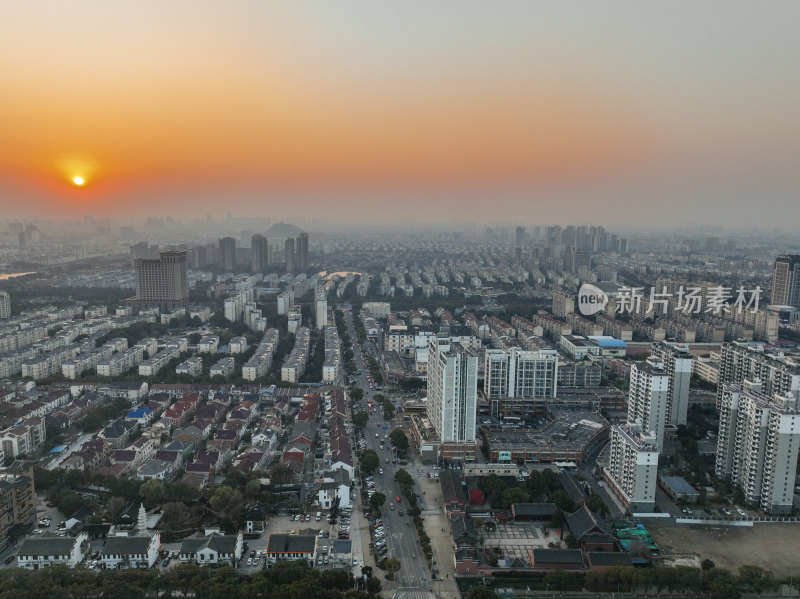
(401, 536)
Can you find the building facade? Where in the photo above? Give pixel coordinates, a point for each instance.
(757, 445)
(452, 390)
(161, 283)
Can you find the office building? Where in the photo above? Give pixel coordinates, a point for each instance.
(227, 254)
(5, 305)
(259, 253)
(161, 283)
(648, 398)
(452, 390)
(677, 363)
(632, 470)
(288, 247)
(786, 281)
(757, 445)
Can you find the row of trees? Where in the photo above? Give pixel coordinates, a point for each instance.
(709, 581)
(285, 580)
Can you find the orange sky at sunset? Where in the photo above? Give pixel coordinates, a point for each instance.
(152, 101)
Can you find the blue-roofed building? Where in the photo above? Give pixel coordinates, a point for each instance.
(141, 416)
(610, 346)
(679, 490)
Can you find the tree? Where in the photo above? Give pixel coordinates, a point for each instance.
(481, 592)
(377, 501)
(373, 585)
(559, 579)
(115, 507)
(360, 419)
(225, 500)
(562, 500)
(757, 578)
(369, 461)
(280, 474)
(252, 488)
(404, 478)
(707, 564)
(392, 565)
(152, 491)
(388, 408)
(596, 504)
(399, 439)
(356, 394)
(571, 541)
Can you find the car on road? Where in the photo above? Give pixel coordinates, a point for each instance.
(398, 499)
(740, 511)
(355, 561)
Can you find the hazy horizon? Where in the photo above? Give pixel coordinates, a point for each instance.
(616, 113)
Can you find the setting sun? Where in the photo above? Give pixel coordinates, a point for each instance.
(78, 180)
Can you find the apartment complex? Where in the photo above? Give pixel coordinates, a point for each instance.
(740, 361)
(757, 445)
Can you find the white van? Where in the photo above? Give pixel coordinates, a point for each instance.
(319, 516)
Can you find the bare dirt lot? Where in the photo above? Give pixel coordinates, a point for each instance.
(772, 546)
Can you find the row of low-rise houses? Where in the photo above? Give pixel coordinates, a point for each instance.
(124, 551)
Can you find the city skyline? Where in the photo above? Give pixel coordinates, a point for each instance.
(611, 113)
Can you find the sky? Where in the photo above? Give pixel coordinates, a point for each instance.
(612, 112)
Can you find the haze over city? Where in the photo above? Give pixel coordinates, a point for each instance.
(615, 113)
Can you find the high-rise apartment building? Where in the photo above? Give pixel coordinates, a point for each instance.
(563, 304)
(520, 373)
(259, 253)
(302, 252)
(648, 398)
(757, 445)
(291, 262)
(162, 283)
(632, 468)
(786, 281)
(452, 390)
(227, 253)
(320, 307)
(5, 305)
(677, 363)
(740, 361)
